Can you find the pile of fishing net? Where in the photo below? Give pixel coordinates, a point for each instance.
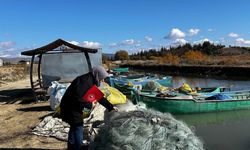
(144, 130)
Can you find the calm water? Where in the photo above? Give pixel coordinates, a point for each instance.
(209, 82)
(228, 130)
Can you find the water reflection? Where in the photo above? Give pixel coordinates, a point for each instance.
(219, 130)
(209, 82)
(228, 130)
(224, 117)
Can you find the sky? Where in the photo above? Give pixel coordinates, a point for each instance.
(131, 25)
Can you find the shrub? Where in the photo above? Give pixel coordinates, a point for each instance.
(121, 55)
(13, 72)
(153, 58)
(169, 59)
(194, 55)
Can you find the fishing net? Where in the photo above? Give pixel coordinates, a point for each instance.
(151, 85)
(144, 130)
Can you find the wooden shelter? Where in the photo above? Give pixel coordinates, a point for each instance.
(56, 47)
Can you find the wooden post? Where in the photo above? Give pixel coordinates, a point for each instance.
(31, 76)
(88, 61)
(39, 71)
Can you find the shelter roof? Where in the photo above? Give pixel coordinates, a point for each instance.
(56, 44)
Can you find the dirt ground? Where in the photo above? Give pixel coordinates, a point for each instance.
(19, 114)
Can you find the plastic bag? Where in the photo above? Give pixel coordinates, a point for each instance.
(113, 95)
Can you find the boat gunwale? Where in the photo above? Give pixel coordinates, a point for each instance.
(195, 100)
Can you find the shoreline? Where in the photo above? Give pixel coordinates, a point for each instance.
(234, 72)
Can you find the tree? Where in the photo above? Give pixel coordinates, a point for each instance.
(104, 58)
(121, 55)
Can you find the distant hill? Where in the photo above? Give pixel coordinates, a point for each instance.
(15, 60)
(227, 51)
(110, 56)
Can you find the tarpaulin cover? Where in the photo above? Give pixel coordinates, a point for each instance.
(60, 66)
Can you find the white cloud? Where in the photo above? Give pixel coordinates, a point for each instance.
(180, 41)
(138, 44)
(89, 44)
(5, 55)
(222, 40)
(74, 42)
(11, 52)
(9, 49)
(14, 52)
(148, 38)
(175, 33)
(113, 44)
(193, 32)
(210, 30)
(233, 35)
(242, 41)
(128, 42)
(203, 40)
(7, 44)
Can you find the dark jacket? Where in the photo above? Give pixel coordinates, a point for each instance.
(72, 104)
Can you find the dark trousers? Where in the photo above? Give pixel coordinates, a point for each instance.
(75, 137)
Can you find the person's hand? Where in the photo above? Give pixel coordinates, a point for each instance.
(115, 109)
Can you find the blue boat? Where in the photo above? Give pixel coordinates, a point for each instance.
(119, 70)
(125, 85)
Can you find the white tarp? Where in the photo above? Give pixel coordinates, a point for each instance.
(56, 92)
(53, 127)
(60, 66)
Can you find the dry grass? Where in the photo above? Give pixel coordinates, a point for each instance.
(237, 60)
(168, 59)
(194, 58)
(13, 72)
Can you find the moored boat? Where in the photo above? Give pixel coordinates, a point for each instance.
(127, 85)
(213, 90)
(183, 104)
(225, 91)
(119, 70)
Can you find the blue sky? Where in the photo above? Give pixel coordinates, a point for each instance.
(132, 25)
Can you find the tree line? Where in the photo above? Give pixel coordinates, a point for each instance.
(205, 48)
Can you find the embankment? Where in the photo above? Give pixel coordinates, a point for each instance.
(185, 70)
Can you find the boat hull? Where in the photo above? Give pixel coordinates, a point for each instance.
(185, 106)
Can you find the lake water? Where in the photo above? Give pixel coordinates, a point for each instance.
(210, 82)
(229, 130)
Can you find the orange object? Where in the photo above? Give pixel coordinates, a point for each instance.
(93, 94)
